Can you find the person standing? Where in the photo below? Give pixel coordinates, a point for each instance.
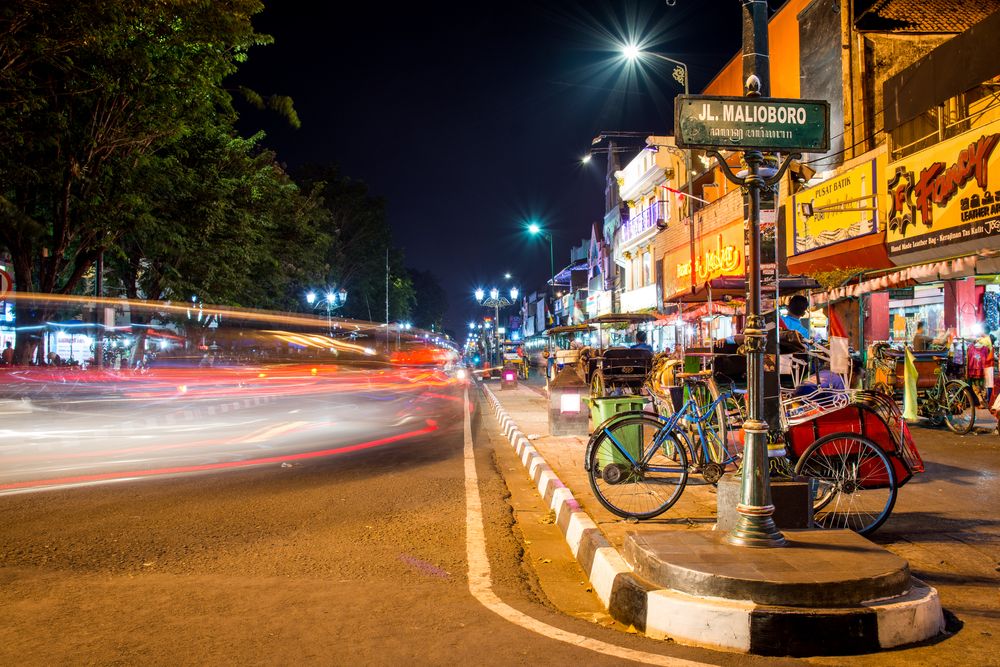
(7, 356)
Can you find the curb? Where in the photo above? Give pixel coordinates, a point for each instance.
(734, 625)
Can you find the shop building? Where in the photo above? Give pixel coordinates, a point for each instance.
(938, 199)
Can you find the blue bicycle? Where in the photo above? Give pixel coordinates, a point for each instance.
(639, 462)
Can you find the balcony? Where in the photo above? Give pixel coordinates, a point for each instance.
(642, 222)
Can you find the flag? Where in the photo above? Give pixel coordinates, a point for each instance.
(909, 388)
(836, 327)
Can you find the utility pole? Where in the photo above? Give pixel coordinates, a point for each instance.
(387, 299)
(98, 311)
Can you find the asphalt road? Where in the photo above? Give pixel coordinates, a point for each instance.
(357, 556)
(300, 548)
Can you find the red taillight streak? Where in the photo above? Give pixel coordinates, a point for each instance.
(79, 479)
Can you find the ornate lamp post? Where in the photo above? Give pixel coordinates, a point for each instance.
(334, 299)
(496, 301)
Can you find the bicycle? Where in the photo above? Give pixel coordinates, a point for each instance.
(939, 399)
(638, 462)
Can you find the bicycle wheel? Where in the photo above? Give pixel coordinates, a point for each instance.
(717, 448)
(853, 482)
(636, 470)
(960, 407)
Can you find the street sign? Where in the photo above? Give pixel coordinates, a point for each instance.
(6, 283)
(752, 123)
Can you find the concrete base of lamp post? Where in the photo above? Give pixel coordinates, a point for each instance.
(567, 413)
(508, 377)
(792, 503)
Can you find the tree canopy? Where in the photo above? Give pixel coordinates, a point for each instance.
(118, 140)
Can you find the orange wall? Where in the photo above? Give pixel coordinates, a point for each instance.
(783, 43)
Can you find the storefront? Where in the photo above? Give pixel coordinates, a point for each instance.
(708, 311)
(838, 224)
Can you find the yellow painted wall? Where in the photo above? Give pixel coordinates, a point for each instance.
(783, 43)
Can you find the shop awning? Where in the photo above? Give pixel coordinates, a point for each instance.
(949, 269)
(863, 251)
(727, 288)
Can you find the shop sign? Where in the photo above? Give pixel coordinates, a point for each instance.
(945, 200)
(899, 293)
(640, 298)
(744, 123)
(722, 261)
(599, 303)
(841, 208)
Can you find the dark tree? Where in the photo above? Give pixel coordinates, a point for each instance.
(431, 300)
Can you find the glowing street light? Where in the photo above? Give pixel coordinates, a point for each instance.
(496, 302)
(333, 299)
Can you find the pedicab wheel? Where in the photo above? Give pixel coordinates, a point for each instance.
(852, 481)
(641, 484)
(597, 385)
(960, 407)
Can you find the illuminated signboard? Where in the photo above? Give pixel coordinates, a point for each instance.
(840, 208)
(945, 200)
(722, 261)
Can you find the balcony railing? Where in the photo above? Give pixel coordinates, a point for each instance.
(642, 221)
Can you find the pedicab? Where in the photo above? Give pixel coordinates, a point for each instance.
(940, 399)
(615, 370)
(561, 350)
(513, 357)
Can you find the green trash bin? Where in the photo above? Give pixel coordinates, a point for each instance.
(602, 409)
(692, 364)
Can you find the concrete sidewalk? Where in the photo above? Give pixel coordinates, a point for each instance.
(604, 544)
(528, 407)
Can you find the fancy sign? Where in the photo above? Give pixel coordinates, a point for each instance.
(945, 196)
(748, 123)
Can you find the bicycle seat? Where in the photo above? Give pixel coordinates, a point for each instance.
(699, 375)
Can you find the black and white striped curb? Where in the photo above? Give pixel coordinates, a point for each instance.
(736, 625)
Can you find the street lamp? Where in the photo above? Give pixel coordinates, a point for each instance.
(680, 74)
(496, 301)
(334, 299)
(535, 230)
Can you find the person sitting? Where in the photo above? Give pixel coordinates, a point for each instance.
(640, 342)
(797, 307)
(921, 341)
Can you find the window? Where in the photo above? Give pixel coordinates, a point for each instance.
(973, 108)
(647, 268)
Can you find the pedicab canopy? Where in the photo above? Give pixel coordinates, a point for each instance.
(567, 329)
(621, 318)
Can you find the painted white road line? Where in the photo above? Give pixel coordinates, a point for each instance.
(481, 584)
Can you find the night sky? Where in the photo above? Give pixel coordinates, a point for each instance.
(470, 119)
